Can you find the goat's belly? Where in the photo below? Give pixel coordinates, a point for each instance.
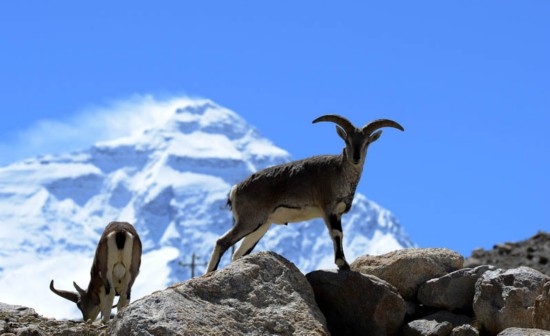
(284, 215)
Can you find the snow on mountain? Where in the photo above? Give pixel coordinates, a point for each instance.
(172, 183)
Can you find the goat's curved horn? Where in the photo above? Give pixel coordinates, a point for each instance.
(339, 120)
(71, 296)
(379, 123)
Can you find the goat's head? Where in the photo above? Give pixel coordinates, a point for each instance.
(358, 139)
(84, 301)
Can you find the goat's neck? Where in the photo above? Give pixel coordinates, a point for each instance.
(95, 287)
(350, 172)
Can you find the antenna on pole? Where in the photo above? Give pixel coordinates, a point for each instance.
(193, 264)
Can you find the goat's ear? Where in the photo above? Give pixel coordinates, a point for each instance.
(341, 133)
(375, 136)
(80, 291)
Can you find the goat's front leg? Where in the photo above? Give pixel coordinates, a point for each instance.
(334, 225)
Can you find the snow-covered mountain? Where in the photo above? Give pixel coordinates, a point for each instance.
(172, 183)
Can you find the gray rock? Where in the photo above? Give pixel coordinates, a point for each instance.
(464, 330)
(24, 321)
(506, 299)
(452, 291)
(15, 310)
(524, 332)
(541, 313)
(427, 328)
(30, 331)
(407, 269)
(357, 304)
(260, 294)
(440, 323)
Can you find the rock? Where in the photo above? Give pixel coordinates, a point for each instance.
(541, 313)
(506, 299)
(24, 321)
(260, 294)
(412, 307)
(455, 320)
(357, 304)
(464, 330)
(533, 252)
(15, 310)
(427, 328)
(407, 269)
(452, 291)
(524, 332)
(30, 331)
(440, 323)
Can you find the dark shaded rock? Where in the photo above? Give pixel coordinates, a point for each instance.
(30, 331)
(533, 252)
(357, 304)
(407, 269)
(260, 294)
(506, 298)
(452, 291)
(445, 316)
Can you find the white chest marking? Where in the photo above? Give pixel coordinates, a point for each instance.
(340, 208)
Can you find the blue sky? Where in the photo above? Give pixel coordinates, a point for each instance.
(469, 81)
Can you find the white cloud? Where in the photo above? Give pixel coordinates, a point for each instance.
(98, 123)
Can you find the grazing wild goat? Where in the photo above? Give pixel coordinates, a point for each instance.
(114, 270)
(320, 186)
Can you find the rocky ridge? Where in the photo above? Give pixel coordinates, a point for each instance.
(406, 292)
(533, 252)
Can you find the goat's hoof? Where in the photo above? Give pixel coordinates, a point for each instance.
(344, 267)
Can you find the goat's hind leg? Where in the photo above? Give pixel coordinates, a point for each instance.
(230, 238)
(250, 241)
(107, 305)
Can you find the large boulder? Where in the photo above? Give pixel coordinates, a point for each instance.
(357, 304)
(260, 294)
(506, 298)
(453, 291)
(407, 269)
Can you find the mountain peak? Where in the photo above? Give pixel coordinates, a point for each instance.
(207, 117)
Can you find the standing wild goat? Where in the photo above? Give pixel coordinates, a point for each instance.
(320, 186)
(114, 270)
